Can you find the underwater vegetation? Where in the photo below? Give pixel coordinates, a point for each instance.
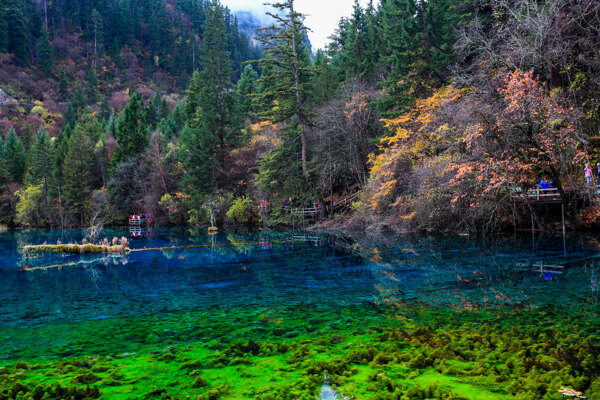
(282, 316)
(367, 352)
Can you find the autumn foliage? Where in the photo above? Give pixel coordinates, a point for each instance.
(451, 161)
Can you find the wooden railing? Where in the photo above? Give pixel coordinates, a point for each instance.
(346, 201)
(306, 211)
(537, 194)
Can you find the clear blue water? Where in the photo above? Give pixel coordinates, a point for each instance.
(286, 269)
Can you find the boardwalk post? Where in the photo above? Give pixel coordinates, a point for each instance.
(532, 222)
(514, 217)
(562, 206)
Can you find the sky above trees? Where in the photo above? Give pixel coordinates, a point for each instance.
(322, 17)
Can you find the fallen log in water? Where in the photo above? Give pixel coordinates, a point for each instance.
(72, 248)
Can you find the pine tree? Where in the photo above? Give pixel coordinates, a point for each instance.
(132, 132)
(77, 173)
(420, 36)
(168, 127)
(98, 29)
(323, 83)
(40, 166)
(4, 174)
(79, 100)
(356, 47)
(153, 111)
(284, 89)
(212, 106)
(92, 84)
(45, 54)
(15, 157)
(245, 89)
(105, 109)
(63, 84)
(165, 110)
(195, 156)
(4, 29)
(18, 34)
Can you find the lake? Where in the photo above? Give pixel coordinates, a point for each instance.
(268, 315)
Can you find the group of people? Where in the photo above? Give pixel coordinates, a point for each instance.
(545, 183)
(589, 172)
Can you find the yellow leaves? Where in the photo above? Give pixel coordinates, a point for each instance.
(180, 195)
(415, 135)
(385, 189)
(262, 126)
(416, 123)
(39, 110)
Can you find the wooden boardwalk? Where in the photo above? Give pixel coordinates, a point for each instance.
(347, 201)
(537, 195)
(315, 210)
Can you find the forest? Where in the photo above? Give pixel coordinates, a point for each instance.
(434, 110)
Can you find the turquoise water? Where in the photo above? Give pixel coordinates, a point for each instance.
(282, 286)
(286, 269)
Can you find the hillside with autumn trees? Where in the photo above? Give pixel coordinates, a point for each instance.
(436, 111)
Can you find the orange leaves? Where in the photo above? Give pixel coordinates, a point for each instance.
(182, 196)
(523, 92)
(415, 136)
(358, 103)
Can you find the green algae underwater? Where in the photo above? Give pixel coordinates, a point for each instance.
(269, 315)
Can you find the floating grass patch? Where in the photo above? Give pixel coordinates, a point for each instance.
(71, 248)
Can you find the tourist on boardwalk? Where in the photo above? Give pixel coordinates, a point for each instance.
(588, 174)
(597, 173)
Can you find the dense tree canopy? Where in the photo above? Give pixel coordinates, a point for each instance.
(437, 110)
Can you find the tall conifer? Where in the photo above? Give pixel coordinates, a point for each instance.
(14, 155)
(132, 132)
(284, 87)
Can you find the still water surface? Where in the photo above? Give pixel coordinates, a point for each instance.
(289, 269)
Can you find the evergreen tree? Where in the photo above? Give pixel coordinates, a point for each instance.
(18, 34)
(165, 110)
(212, 108)
(40, 166)
(79, 101)
(153, 111)
(92, 84)
(245, 88)
(77, 173)
(4, 12)
(420, 36)
(132, 132)
(45, 54)
(356, 46)
(98, 32)
(4, 174)
(323, 83)
(168, 127)
(284, 87)
(105, 110)
(195, 156)
(15, 157)
(63, 84)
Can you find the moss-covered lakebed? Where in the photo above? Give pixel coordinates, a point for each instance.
(367, 352)
(270, 315)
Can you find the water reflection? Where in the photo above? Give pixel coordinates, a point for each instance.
(190, 270)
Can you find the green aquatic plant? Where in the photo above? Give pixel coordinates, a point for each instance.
(243, 353)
